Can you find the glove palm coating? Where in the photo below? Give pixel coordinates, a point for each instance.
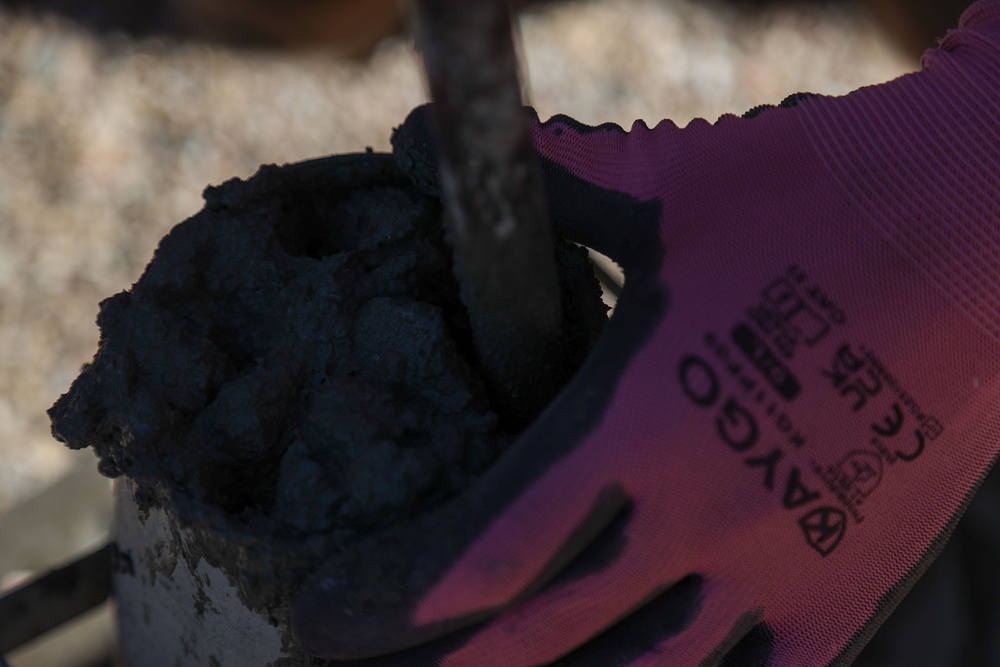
(785, 418)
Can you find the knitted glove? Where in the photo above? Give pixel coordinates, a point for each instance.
(795, 400)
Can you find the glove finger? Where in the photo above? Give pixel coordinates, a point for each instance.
(727, 632)
(636, 639)
(660, 632)
(613, 578)
(437, 575)
(532, 512)
(639, 634)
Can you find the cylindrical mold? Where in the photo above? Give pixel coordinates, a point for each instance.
(290, 375)
(170, 615)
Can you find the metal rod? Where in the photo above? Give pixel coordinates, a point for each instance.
(54, 598)
(504, 252)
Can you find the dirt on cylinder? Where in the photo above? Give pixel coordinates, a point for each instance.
(294, 371)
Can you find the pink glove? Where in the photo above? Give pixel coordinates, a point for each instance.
(795, 400)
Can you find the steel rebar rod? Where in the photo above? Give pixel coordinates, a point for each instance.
(498, 228)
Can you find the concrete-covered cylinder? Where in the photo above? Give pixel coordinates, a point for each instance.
(170, 615)
(291, 375)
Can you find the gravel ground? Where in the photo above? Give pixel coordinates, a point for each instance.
(106, 142)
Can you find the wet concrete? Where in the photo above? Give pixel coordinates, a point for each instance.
(294, 370)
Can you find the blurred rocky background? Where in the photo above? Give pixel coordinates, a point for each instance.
(115, 114)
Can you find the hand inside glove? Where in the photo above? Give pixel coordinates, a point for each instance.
(792, 405)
